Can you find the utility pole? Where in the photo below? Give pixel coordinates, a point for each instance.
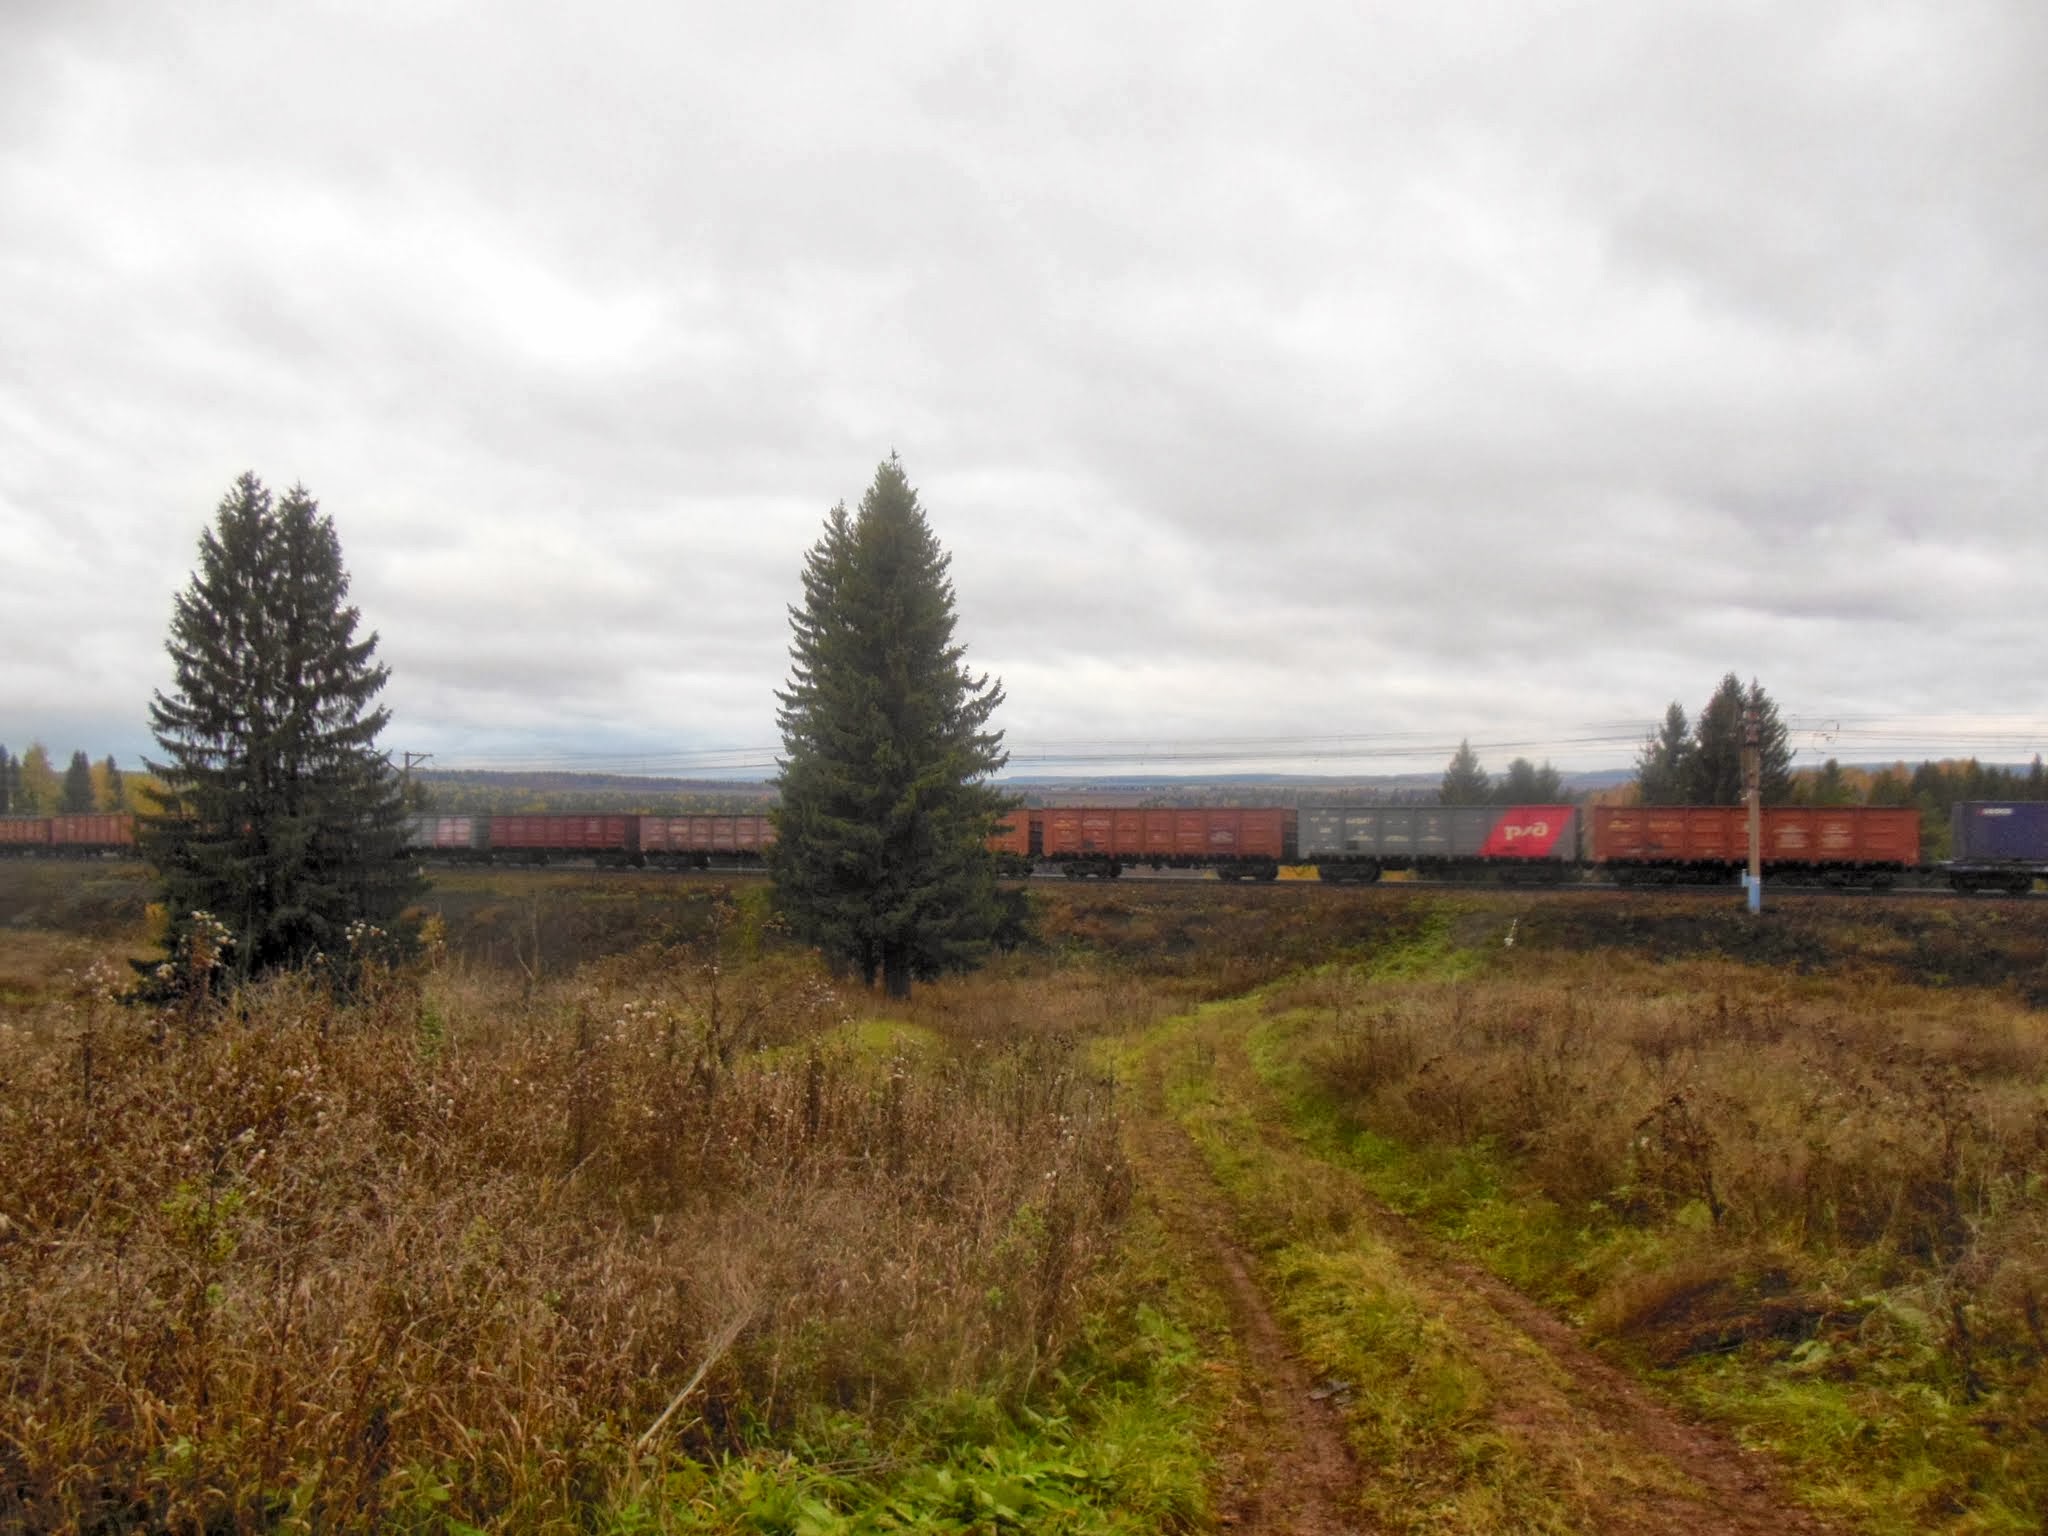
(1752, 783)
(412, 760)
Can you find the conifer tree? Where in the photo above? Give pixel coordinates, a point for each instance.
(283, 821)
(76, 797)
(1465, 782)
(1714, 775)
(1526, 784)
(113, 788)
(881, 858)
(6, 782)
(1664, 767)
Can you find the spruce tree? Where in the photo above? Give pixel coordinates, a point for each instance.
(6, 783)
(1664, 767)
(76, 796)
(881, 858)
(282, 820)
(1715, 773)
(116, 786)
(1465, 782)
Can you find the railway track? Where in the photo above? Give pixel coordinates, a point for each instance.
(1208, 878)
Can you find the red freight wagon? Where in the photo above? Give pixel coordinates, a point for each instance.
(1235, 842)
(1013, 835)
(1079, 832)
(695, 839)
(19, 834)
(105, 832)
(1689, 841)
(606, 838)
(1256, 833)
(1869, 837)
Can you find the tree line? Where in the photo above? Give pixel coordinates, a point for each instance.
(31, 786)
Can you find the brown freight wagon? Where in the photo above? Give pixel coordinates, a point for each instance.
(1018, 839)
(536, 839)
(1835, 844)
(101, 832)
(1237, 842)
(695, 840)
(24, 834)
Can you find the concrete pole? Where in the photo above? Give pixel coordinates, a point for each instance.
(1752, 782)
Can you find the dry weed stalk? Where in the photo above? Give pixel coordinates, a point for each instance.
(447, 1250)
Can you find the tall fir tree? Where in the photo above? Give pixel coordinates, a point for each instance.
(6, 782)
(282, 820)
(1464, 781)
(75, 799)
(1664, 766)
(1714, 776)
(881, 858)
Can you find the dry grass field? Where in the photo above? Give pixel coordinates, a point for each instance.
(1259, 1209)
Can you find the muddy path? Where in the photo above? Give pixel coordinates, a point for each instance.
(1284, 1464)
(1550, 1437)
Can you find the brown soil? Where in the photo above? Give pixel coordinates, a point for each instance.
(1283, 1465)
(1614, 1453)
(1571, 1408)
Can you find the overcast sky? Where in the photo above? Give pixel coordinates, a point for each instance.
(1345, 378)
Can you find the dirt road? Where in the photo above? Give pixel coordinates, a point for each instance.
(1378, 1382)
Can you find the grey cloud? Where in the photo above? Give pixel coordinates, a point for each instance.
(1346, 366)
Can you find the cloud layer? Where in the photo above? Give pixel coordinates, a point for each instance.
(1354, 375)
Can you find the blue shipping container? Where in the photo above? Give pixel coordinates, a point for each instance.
(1999, 831)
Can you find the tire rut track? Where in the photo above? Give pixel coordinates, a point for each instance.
(1286, 1466)
(1612, 1453)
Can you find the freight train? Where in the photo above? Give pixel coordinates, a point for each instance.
(1627, 844)
(92, 836)
(1995, 845)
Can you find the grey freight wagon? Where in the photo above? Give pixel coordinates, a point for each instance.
(1530, 842)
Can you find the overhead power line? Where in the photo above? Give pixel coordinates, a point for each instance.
(1860, 736)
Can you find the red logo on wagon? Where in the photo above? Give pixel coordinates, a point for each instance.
(1527, 831)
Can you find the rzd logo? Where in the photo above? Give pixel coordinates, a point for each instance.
(1532, 829)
